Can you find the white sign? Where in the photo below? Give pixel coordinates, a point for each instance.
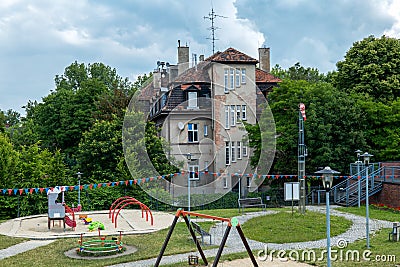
(292, 191)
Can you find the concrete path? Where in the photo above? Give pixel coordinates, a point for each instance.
(234, 243)
(22, 247)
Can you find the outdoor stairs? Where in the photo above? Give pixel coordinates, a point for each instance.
(346, 192)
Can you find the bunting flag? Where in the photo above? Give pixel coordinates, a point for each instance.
(216, 175)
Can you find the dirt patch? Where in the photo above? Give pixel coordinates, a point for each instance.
(73, 254)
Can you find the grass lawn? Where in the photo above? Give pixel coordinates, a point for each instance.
(373, 213)
(6, 241)
(284, 227)
(229, 213)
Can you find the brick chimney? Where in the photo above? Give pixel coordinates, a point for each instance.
(183, 58)
(264, 59)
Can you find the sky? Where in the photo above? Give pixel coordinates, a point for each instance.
(39, 39)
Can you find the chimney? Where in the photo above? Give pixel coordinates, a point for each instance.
(264, 59)
(183, 58)
(157, 79)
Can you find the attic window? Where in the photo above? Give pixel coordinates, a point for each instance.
(192, 100)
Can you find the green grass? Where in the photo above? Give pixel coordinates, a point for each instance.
(6, 241)
(229, 213)
(373, 213)
(284, 227)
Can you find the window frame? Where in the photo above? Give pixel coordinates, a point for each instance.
(227, 153)
(226, 80)
(233, 151)
(239, 149)
(233, 115)
(227, 117)
(194, 133)
(193, 174)
(244, 112)
(191, 100)
(243, 76)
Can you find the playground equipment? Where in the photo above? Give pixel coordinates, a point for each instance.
(122, 202)
(60, 211)
(231, 222)
(101, 245)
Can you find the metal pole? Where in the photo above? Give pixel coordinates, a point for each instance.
(166, 241)
(246, 245)
(188, 188)
(221, 246)
(359, 182)
(367, 206)
(328, 229)
(79, 188)
(195, 240)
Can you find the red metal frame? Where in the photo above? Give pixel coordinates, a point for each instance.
(122, 202)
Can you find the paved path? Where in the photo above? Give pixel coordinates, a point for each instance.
(234, 243)
(22, 247)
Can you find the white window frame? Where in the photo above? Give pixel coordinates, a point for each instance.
(243, 78)
(205, 130)
(226, 80)
(194, 172)
(192, 100)
(237, 77)
(225, 181)
(233, 115)
(244, 150)
(227, 153)
(248, 181)
(194, 132)
(244, 112)
(227, 120)
(206, 163)
(239, 150)
(231, 78)
(233, 151)
(238, 113)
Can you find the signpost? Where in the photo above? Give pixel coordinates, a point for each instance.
(292, 192)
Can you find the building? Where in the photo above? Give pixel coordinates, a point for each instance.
(200, 108)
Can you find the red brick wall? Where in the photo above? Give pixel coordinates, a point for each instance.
(390, 195)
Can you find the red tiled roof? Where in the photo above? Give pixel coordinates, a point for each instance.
(231, 55)
(197, 74)
(265, 77)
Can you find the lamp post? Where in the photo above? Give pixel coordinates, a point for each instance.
(189, 158)
(366, 156)
(79, 187)
(358, 151)
(327, 180)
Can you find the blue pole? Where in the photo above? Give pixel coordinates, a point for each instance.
(359, 183)
(367, 207)
(328, 229)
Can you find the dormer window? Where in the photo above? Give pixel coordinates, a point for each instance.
(192, 100)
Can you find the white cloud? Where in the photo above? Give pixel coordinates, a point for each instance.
(393, 9)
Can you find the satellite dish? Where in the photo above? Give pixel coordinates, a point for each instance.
(181, 125)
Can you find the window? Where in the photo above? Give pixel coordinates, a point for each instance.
(193, 133)
(232, 79)
(192, 100)
(206, 163)
(238, 115)
(225, 181)
(233, 152)
(243, 76)
(226, 117)
(237, 78)
(233, 116)
(205, 130)
(244, 114)
(227, 153)
(244, 150)
(226, 75)
(239, 150)
(248, 181)
(194, 172)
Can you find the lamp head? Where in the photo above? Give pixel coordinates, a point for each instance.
(366, 156)
(327, 177)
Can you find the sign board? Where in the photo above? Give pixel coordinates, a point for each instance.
(292, 191)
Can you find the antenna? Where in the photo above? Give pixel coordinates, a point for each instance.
(212, 16)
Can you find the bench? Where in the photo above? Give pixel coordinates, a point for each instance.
(200, 231)
(250, 202)
(393, 235)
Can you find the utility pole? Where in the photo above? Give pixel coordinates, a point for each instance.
(212, 16)
(301, 159)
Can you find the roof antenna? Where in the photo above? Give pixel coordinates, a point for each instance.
(211, 16)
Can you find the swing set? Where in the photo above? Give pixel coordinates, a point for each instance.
(231, 222)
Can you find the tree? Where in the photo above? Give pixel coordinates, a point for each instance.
(371, 67)
(298, 72)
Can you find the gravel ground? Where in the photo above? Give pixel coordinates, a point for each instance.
(234, 243)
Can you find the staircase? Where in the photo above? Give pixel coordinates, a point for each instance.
(346, 192)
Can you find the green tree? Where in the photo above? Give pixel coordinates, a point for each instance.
(298, 72)
(371, 67)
